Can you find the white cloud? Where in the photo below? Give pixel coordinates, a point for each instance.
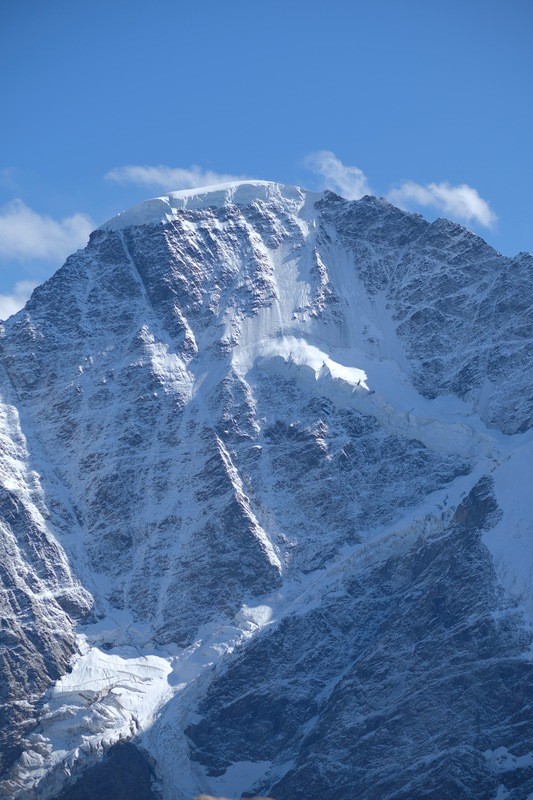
(168, 178)
(7, 178)
(11, 303)
(457, 202)
(461, 202)
(25, 234)
(350, 182)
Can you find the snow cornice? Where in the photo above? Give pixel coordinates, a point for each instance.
(237, 193)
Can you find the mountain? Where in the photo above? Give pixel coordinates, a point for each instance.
(265, 508)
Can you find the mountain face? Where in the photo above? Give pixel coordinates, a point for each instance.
(265, 508)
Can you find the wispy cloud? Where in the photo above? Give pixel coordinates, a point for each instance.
(458, 202)
(350, 182)
(168, 178)
(27, 235)
(11, 303)
(461, 203)
(7, 178)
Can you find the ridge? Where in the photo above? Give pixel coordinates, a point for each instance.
(240, 193)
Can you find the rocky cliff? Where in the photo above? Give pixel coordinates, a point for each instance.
(264, 504)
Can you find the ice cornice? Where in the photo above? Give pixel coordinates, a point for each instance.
(237, 193)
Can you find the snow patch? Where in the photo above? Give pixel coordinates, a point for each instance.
(257, 617)
(239, 777)
(501, 760)
(511, 540)
(298, 351)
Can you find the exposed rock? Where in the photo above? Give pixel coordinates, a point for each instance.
(263, 471)
(124, 774)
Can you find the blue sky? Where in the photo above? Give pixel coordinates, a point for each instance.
(428, 103)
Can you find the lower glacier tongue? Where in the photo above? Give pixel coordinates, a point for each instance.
(115, 694)
(108, 696)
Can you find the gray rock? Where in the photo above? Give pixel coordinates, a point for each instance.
(185, 439)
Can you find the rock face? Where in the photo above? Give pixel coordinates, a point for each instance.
(264, 507)
(40, 597)
(123, 774)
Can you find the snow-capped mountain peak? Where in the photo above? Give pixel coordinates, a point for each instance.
(239, 193)
(264, 491)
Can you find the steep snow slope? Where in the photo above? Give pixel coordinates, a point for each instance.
(278, 443)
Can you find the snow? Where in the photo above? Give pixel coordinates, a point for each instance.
(380, 389)
(299, 352)
(254, 617)
(239, 774)
(163, 209)
(502, 793)
(121, 692)
(511, 540)
(361, 365)
(121, 684)
(501, 760)
(106, 697)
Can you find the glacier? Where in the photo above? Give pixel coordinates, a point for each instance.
(265, 507)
